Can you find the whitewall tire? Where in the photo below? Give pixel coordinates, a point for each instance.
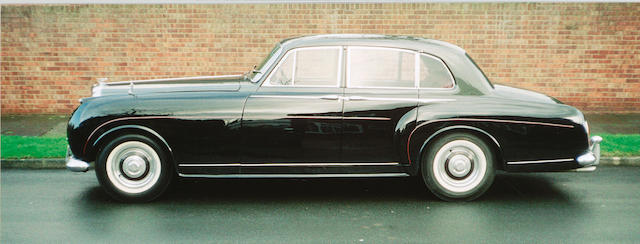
(458, 166)
(133, 168)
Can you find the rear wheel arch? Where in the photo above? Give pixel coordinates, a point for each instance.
(482, 134)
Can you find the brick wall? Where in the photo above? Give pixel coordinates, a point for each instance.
(585, 54)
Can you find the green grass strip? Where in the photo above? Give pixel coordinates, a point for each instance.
(33, 147)
(613, 145)
(620, 145)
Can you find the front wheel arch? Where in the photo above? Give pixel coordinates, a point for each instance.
(117, 131)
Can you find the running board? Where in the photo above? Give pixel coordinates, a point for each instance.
(294, 175)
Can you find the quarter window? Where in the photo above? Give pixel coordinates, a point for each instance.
(381, 67)
(308, 67)
(433, 73)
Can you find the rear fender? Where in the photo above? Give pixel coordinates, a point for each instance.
(422, 136)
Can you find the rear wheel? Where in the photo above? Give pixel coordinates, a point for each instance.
(458, 166)
(133, 168)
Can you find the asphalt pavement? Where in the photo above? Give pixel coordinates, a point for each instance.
(63, 207)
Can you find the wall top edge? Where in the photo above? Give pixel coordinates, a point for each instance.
(22, 2)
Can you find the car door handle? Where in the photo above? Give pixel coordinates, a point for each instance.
(330, 97)
(355, 98)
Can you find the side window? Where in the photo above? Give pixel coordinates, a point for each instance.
(381, 67)
(308, 67)
(317, 67)
(433, 73)
(282, 76)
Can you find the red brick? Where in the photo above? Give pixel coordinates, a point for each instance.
(586, 54)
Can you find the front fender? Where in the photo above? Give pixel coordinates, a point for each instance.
(131, 129)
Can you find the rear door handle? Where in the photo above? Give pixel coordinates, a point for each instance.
(330, 97)
(355, 98)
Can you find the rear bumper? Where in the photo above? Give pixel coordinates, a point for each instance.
(74, 164)
(582, 163)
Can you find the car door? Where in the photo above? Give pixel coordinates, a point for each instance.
(295, 116)
(380, 99)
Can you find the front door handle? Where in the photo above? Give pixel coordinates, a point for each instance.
(330, 97)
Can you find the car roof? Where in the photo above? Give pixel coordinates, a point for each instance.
(405, 42)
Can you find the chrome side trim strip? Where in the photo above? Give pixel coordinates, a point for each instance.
(287, 96)
(364, 98)
(312, 117)
(287, 165)
(435, 100)
(210, 165)
(367, 118)
(294, 175)
(336, 117)
(316, 117)
(357, 98)
(505, 121)
(542, 161)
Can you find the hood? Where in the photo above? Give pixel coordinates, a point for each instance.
(201, 83)
(523, 95)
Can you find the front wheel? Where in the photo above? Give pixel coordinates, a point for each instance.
(458, 166)
(133, 168)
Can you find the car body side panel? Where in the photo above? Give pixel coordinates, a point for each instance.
(373, 122)
(292, 125)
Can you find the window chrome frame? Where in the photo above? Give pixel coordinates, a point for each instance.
(266, 81)
(446, 67)
(417, 56)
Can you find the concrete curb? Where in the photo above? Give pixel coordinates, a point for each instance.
(623, 161)
(33, 163)
(59, 163)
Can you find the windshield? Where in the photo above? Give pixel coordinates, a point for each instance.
(259, 70)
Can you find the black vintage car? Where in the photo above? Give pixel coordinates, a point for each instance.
(328, 106)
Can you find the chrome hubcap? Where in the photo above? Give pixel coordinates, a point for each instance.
(133, 167)
(459, 166)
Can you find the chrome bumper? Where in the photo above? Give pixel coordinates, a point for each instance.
(74, 164)
(592, 157)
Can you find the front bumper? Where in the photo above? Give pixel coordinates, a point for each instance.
(591, 157)
(74, 164)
